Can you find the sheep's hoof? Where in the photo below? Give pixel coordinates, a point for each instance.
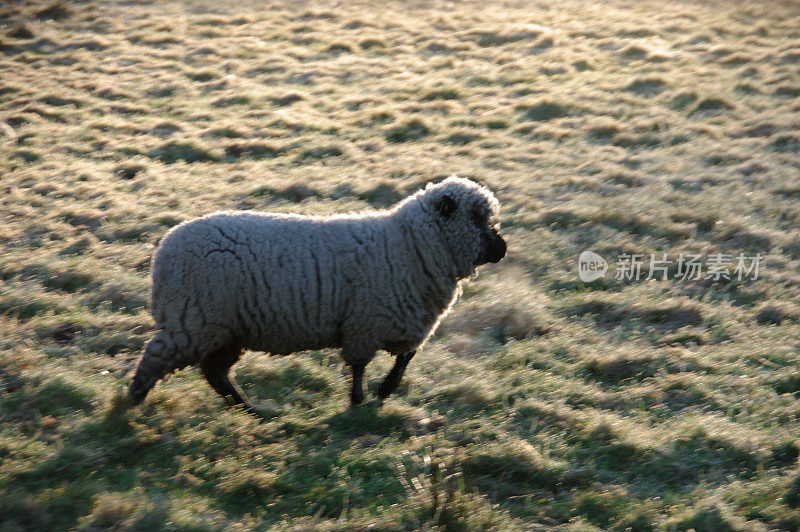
(135, 396)
(373, 403)
(248, 409)
(245, 407)
(379, 398)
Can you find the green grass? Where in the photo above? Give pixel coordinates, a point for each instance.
(543, 401)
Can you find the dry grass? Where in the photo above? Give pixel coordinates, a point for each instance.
(543, 402)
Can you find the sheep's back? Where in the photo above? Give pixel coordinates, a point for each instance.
(279, 282)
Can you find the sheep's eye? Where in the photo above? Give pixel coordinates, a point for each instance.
(447, 206)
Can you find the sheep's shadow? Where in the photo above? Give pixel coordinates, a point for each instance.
(288, 385)
(369, 418)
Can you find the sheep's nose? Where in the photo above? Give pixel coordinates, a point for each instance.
(498, 249)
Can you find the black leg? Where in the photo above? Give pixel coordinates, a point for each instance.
(216, 369)
(392, 380)
(357, 393)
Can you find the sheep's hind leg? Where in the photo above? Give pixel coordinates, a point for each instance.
(216, 368)
(160, 357)
(392, 380)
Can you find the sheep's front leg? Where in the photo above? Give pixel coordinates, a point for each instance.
(357, 393)
(356, 355)
(392, 380)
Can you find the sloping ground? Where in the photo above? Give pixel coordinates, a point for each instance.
(620, 127)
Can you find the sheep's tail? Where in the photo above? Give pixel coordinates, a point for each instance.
(159, 358)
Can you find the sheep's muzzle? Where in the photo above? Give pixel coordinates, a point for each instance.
(494, 248)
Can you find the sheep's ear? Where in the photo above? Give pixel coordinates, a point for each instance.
(446, 206)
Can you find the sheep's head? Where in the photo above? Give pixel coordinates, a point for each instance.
(464, 214)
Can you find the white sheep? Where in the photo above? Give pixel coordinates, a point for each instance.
(283, 283)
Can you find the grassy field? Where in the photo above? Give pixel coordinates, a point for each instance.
(620, 127)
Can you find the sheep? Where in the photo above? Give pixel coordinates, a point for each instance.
(283, 283)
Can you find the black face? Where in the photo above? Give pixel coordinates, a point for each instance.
(493, 245)
(496, 247)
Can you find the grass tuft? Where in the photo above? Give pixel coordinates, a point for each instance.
(711, 103)
(647, 86)
(128, 171)
(543, 110)
(787, 143)
(175, 151)
(622, 368)
(287, 99)
(440, 94)
(321, 152)
(55, 11)
(409, 130)
(253, 150)
(777, 313)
